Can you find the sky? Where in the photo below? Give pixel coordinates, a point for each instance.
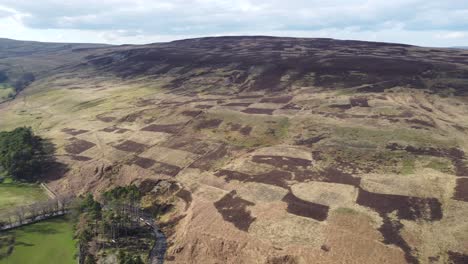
(435, 23)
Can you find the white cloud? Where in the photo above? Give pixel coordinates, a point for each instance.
(440, 23)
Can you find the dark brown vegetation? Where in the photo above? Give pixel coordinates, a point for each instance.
(209, 160)
(234, 210)
(359, 101)
(277, 100)
(246, 130)
(131, 146)
(456, 155)
(209, 124)
(171, 129)
(258, 111)
(457, 258)
(192, 145)
(80, 158)
(408, 208)
(461, 191)
(274, 177)
(191, 113)
(238, 104)
(166, 169)
(306, 209)
(78, 146)
(332, 175)
(287, 163)
(144, 162)
(104, 118)
(74, 132)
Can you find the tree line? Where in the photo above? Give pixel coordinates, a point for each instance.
(116, 220)
(24, 155)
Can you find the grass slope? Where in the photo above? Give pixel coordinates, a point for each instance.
(16, 194)
(43, 243)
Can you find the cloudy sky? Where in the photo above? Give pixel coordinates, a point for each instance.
(419, 22)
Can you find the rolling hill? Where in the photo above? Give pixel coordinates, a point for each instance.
(283, 150)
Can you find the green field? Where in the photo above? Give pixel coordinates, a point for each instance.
(45, 242)
(6, 92)
(16, 194)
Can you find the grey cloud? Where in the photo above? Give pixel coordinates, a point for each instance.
(215, 16)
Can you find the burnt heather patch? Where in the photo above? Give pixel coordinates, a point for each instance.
(456, 155)
(74, 132)
(246, 130)
(258, 111)
(170, 129)
(303, 208)
(457, 258)
(359, 101)
(331, 175)
(191, 113)
(166, 169)
(104, 118)
(408, 208)
(234, 210)
(282, 162)
(291, 106)
(277, 100)
(238, 104)
(80, 158)
(78, 146)
(275, 177)
(144, 162)
(461, 191)
(209, 124)
(131, 146)
(192, 145)
(209, 160)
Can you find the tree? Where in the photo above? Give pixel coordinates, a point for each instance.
(22, 154)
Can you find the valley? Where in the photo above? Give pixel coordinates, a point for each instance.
(282, 150)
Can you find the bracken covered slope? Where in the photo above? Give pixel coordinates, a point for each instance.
(285, 150)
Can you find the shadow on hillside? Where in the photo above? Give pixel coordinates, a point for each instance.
(53, 169)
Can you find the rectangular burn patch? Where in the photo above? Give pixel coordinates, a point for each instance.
(166, 169)
(131, 146)
(234, 210)
(204, 106)
(208, 161)
(191, 113)
(277, 100)
(275, 177)
(307, 209)
(74, 132)
(238, 104)
(78, 146)
(407, 207)
(170, 129)
(209, 124)
(258, 111)
(288, 163)
(144, 162)
(192, 145)
(461, 191)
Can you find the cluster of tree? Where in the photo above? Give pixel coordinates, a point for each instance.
(36, 211)
(129, 259)
(89, 217)
(116, 220)
(23, 155)
(128, 194)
